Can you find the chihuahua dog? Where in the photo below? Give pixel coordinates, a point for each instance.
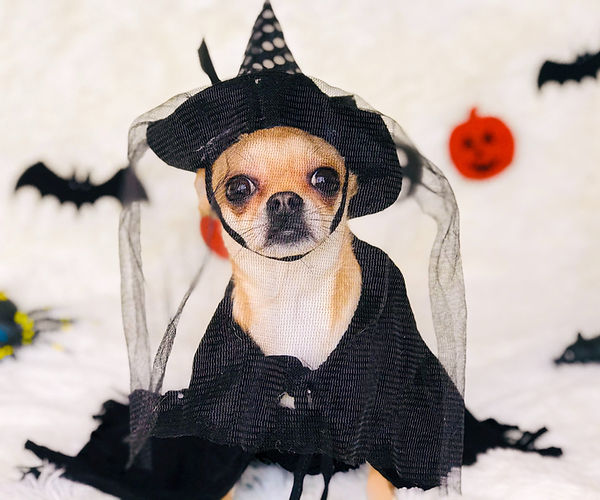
(280, 189)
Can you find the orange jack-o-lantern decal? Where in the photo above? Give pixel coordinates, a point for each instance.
(210, 228)
(482, 146)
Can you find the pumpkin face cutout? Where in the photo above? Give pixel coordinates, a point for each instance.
(482, 146)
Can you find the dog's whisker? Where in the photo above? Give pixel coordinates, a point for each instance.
(320, 219)
(248, 231)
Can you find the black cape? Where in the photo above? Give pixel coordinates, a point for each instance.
(380, 397)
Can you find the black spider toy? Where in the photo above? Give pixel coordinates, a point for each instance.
(20, 328)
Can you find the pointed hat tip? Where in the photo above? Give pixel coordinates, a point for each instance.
(267, 48)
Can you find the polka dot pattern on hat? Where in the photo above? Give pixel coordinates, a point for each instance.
(267, 48)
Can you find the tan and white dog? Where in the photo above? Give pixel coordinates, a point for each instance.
(280, 189)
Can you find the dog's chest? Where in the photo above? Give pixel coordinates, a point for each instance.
(294, 317)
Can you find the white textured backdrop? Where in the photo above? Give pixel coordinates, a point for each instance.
(73, 75)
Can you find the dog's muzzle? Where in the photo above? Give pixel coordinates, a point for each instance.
(286, 220)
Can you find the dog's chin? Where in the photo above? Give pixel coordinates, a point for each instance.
(288, 243)
(291, 236)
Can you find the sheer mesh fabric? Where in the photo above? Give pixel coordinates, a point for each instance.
(380, 397)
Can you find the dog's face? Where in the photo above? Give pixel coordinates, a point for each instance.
(280, 189)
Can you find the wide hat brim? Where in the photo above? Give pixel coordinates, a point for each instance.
(200, 129)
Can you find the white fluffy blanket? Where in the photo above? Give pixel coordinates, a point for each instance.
(73, 75)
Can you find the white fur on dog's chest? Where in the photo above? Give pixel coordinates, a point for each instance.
(298, 308)
(295, 318)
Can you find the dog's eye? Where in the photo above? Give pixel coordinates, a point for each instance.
(239, 188)
(326, 180)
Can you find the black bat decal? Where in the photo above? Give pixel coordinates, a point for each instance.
(124, 186)
(585, 65)
(582, 351)
(413, 169)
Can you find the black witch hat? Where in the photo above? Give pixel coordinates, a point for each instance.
(270, 91)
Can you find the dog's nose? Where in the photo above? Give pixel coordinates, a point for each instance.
(284, 203)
